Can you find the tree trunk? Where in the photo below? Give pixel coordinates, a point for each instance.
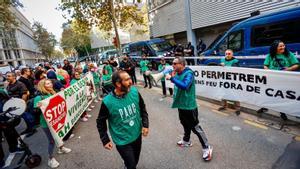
(113, 18)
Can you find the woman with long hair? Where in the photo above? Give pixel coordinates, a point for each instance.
(45, 87)
(280, 58)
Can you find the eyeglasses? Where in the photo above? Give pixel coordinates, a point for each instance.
(174, 63)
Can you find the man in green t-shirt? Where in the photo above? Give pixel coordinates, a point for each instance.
(230, 61)
(161, 67)
(145, 71)
(125, 111)
(185, 100)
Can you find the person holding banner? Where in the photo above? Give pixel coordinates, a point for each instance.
(127, 117)
(185, 100)
(161, 67)
(145, 71)
(280, 58)
(230, 61)
(45, 87)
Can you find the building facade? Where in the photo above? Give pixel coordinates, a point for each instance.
(18, 47)
(209, 18)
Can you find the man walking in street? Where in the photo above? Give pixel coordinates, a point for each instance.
(185, 100)
(125, 111)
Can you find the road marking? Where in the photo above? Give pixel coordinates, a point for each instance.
(221, 113)
(11, 156)
(255, 124)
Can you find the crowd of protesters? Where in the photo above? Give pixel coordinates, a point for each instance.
(34, 85)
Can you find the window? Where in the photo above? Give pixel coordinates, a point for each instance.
(233, 41)
(287, 31)
(7, 54)
(17, 54)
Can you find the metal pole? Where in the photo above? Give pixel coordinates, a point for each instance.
(191, 37)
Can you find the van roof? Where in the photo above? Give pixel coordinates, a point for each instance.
(288, 13)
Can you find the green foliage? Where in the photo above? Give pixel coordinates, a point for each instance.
(45, 40)
(7, 18)
(76, 37)
(107, 15)
(58, 54)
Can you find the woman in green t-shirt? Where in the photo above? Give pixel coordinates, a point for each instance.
(280, 58)
(45, 87)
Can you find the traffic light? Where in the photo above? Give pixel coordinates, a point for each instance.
(115, 42)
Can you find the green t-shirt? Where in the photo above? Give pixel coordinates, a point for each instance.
(125, 122)
(160, 68)
(106, 80)
(144, 65)
(73, 81)
(280, 61)
(43, 122)
(109, 69)
(96, 78)
(232, 62)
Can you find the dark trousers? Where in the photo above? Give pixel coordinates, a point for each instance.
(147, 80)
(133, 77)
(11, 136)
(130, 153)
(190, 61)
(163, 86)
(190, 122)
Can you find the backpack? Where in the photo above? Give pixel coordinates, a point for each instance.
(34, 111)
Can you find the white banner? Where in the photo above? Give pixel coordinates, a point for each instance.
(62, 110)
(276, 90)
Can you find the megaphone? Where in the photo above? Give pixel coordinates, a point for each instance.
(156, 77)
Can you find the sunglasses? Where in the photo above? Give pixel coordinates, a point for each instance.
(174, 63)
(228, 53)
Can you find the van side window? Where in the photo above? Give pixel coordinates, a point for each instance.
(287, 31)
(233, 41)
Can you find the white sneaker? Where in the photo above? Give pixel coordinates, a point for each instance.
(92, 106)
(84, 119)
(182, 143)
(88, 115)
(63, 150)
(71, 136)
(52, 163)
(96, 101)
(88, 109)
(207, 153)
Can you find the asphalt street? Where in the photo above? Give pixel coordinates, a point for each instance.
(238, 143)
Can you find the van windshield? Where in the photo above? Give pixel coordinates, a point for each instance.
(161, 46)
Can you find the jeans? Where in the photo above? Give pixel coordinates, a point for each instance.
(130, 153)
(51, 142)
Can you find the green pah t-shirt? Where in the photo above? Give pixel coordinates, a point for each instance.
(280, 61)
(232, 62)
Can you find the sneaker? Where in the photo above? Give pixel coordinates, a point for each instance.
(221, 108)
(92, 106)
(207, 153)
(238, 112)
(145, 86)
(88, 109)
(71, 136)
(84, 119)
(88, 116)
(52, 163)
(63, 150)
(182, 143)
(96, 101)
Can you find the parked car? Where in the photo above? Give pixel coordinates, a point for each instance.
(253, 37)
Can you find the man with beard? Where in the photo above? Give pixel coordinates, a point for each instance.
(125, 111)
(185, 100)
